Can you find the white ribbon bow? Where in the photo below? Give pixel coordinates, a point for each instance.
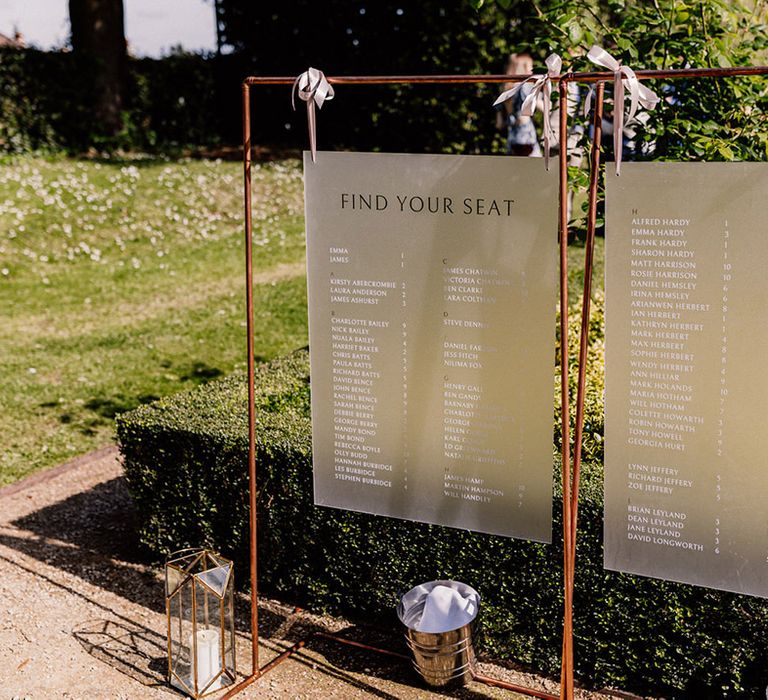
(542, 84)
(640, 95)
(314, 89)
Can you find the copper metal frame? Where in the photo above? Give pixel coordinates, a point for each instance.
(571, 485)
(570, 474)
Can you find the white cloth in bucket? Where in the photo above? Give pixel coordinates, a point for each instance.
(445, 609)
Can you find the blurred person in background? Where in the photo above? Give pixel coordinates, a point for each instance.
(522, 139)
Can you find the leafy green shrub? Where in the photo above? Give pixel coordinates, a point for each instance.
(592, 439)
(699, 119)
(185, 462)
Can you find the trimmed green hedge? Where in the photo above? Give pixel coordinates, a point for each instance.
(47, 102)
(185, 462)
(191, 100)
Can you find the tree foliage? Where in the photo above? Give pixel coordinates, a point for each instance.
(389, 37)
(700, 118)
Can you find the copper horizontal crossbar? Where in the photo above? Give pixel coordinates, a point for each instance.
(570, 479)
(301, 644)
(590, 77)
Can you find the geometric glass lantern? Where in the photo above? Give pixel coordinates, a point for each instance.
(199, 603)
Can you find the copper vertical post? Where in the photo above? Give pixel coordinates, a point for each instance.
(252, 511)
(594, 179)
(566, 675)
(247, 154)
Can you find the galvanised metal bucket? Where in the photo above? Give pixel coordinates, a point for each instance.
(441, 658)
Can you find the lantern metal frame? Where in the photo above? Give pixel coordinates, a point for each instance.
(186, 564)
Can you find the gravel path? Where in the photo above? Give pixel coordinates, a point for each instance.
(82, 617)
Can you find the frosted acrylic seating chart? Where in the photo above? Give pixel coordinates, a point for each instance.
(432, 299)
(686, 465)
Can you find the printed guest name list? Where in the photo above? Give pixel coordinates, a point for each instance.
(431, 299)
(685, 466)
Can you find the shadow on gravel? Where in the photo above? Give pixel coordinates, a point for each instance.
(99, 522)
(92, 536)
(136, 651)
(342, 656)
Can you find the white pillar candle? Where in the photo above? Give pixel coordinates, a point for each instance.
(208, 659)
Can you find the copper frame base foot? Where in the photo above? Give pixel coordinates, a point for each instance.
(242, 685)
(286, 654)
(524, 690)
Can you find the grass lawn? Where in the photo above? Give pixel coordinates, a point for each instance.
(123, 281)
